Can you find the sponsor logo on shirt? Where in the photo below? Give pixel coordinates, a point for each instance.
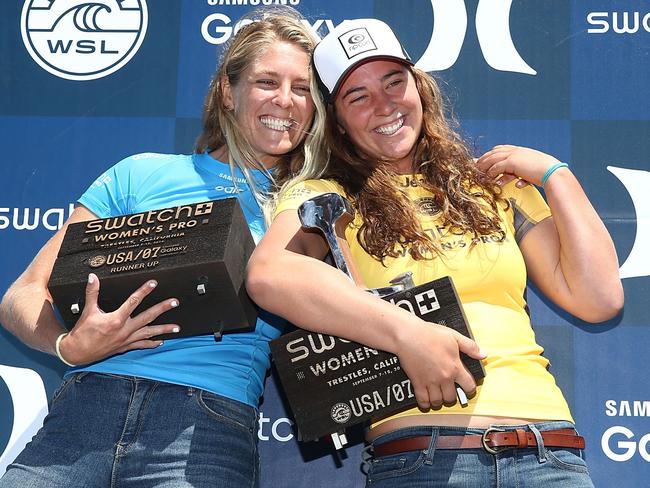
(427, 206)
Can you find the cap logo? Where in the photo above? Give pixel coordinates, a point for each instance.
(357, 41)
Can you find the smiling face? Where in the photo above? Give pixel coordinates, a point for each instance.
(271, 101)
(379, 108)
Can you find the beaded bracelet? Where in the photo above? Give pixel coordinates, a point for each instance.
(58, 349)
(550, 171)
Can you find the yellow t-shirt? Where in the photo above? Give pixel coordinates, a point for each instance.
(490, 279)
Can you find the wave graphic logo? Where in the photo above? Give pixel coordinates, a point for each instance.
(81, 40)
(492, 29)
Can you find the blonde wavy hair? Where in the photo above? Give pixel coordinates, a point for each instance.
(261, 28)
(467, 198)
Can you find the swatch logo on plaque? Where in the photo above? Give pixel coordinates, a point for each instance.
(81, 40)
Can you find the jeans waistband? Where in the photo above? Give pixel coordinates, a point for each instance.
(449, 430)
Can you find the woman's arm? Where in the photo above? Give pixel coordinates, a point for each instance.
(570, 256)
(26, 311)
(287, 277)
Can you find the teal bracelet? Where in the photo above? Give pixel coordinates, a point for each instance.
(549, 171)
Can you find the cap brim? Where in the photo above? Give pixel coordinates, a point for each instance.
(344, 76)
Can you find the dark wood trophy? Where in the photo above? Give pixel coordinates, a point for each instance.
(332, 383)
(197, 253)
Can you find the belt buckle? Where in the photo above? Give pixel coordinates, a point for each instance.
(484, 440)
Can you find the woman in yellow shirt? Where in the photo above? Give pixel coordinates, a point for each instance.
(423, 205)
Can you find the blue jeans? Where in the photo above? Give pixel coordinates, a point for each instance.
(538, 467)
(116, 431)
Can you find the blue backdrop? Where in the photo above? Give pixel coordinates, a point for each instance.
(568, 77)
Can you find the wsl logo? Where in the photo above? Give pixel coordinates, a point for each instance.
(492, 29)
(83, 40)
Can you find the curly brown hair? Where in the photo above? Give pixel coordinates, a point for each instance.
(466, 197)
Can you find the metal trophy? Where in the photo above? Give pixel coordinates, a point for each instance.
(332, 383)
(330, 213)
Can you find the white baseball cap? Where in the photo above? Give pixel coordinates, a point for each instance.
(350, 44)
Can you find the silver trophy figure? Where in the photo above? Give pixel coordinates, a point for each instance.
(330, 214)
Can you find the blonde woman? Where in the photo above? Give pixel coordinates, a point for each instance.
(133, 411)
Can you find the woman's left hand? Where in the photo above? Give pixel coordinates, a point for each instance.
(515, 162)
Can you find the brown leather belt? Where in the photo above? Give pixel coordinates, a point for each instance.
(492, 440)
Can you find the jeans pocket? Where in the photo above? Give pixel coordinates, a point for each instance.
(396, 465)
(229, 411)
(567, 459)
(62, 388)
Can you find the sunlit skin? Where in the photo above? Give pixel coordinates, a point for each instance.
(272, 102)
(379, 108)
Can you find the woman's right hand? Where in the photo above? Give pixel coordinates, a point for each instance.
(507, 162)
(431, 360)
(98, 334)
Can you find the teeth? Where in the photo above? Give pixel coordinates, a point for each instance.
(276, 124)
(389, 130)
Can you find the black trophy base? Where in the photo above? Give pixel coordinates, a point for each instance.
(332, 384)
(208, 311)
(197, 253)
